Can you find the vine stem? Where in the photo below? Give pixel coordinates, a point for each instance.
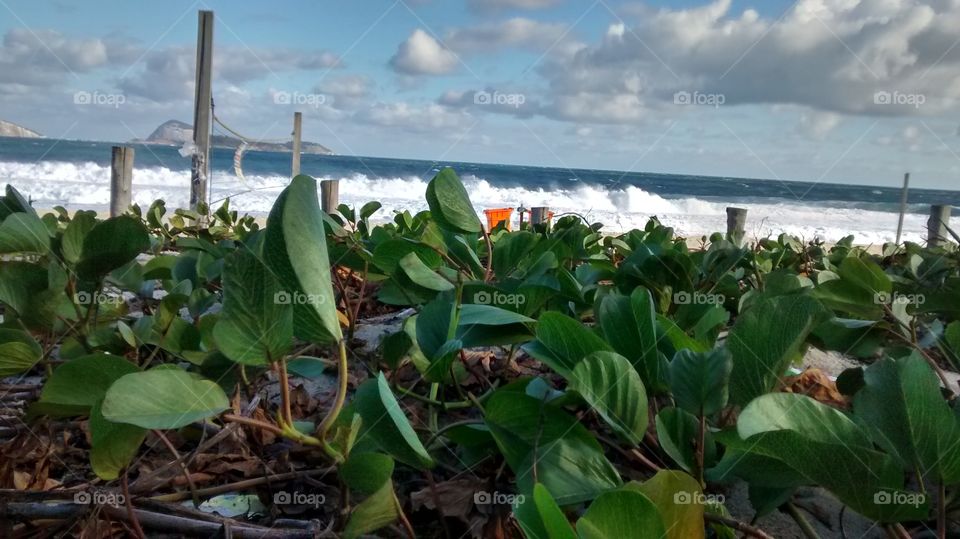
(802, 522)
(489, 272)
(253, 423)
(341, 394)
(941, 511)
(286, 413)
(131, 514)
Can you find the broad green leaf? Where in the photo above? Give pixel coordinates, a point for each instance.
(163, 398)
(621, 513)
(373, 513)
(629, 325)
(111, 244)
(308, 367)
(385, 423)
(20, 282)
(422, 275)
(829, 449)
(509, 250)
(387, 255)
(563, 342)
(82, 382)
(609, 383)
(489, 315)
(766, 339)
(541, 442)
(450, 205)
(540, 517)
(18, 352)
(113, 445)
(433, 327)
(699, 380)
(901, 399)
(24, 233)
(369, 209)
(295, 249)
(678, 431)
(365, 473)
(256, 325)
(680, 501)
(80, 225)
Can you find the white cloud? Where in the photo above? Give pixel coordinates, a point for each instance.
(827, 55)
(421, 54)
(516, 32)
(817, 125)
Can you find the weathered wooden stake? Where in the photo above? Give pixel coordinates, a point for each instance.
(539, 215)
(937, 224)
(736, 224)
(297, 123)
(903, 205)
(202, 104)
(121, 180)
(329, 195)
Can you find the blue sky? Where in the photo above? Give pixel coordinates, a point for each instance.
(818, 90)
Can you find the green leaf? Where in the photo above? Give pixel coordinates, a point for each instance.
(629, 325)
(369, 209)
(489, 315)
(163, 398)
(24, 233)
(111, 244)
(450, 205)
(20, 282)
(901, 399)
(829, 449)
(18, 352)
(295, 249)
(365, 473)
(256, 326)
(534, 435)
(563, 342)
(609, 383)
(113, 445)
(622, 513)
(678, 498)
(433, 337)
(385, 423)
(422, 275)
(766, 339)
(80, 225)
(699, 380)
(677, 432)
(373, 513)
(540, 517)
(82, 382)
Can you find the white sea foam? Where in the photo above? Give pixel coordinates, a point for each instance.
(87, 185)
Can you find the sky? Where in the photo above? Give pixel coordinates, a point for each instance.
(845, 91)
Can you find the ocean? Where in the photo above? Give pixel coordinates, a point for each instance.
(76, 174)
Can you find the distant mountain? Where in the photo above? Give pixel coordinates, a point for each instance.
(176, 133)
(9, 129)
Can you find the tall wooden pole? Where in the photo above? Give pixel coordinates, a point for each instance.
(297, 124)
(736, 224)
(203, 100)
(903, 205)
(121, 180)
(329, 195)
(937, 224)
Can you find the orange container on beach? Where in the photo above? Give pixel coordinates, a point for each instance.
(495, 216)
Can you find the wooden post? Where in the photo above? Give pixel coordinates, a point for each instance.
(937, 224)
(539, 215)
(297, 122)
(903, 205)
(202, 104)
(329, 195)
(736, 224)
(121, 180)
